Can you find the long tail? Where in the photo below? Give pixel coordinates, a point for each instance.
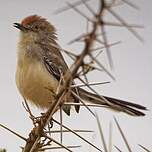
(112, 103)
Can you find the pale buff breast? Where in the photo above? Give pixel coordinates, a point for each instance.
(35, 83)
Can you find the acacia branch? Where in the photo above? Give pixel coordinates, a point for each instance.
(34, 144)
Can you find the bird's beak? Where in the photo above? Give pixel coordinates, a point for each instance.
(20, 27)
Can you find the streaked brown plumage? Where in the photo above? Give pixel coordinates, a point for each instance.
(40, 64)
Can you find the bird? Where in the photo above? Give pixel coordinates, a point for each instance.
(40, 66)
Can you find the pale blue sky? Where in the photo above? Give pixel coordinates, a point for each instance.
(132, 62)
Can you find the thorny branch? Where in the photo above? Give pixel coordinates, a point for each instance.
(34, 143)
(39, 138)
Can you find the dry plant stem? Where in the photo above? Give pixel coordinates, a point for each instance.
(61, 129)
(78, 136)
(33, 144)
(118, 149)
(144, 148)
(90, 84)
(110, 137)
(36, 145)
(51, 139)
(52, 148)
(13, 132)
(67, 7)
(121, 25)
(107, 46)
(123, 136)
(101, 134)
(78, 38)
(93, 58)
(110, 45)
(88, 7)
(131, 4)
(79, 12)
(89, 105)
(67, 131)
(27, 108)
(125, 24)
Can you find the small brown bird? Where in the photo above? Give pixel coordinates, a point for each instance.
(40, 65)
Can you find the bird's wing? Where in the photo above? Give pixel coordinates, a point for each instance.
(56, 66)
(53, 59)
(52, 68)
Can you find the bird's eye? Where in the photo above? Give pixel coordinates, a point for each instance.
(36, 27)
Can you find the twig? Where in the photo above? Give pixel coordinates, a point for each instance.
(144, 148)
(88, 7)
(122, 25)
(110, 137)
(110, 45)
(101, 134)
(130, 4)
(62, 92)
(89, 39)
(93, 58)
(125, 24)
(52, 148)
(78, 136)
(123, 136)
(13, 132)
(118, 149)
(86, 104)
(66, 8)
(90, 84)
(51, 139)
(107, 46)
(79, 12)
(67, 131)
(61, 122)
(27, 108)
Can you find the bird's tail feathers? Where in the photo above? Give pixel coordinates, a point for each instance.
(112, 103)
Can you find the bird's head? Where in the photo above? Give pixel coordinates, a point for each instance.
(36, 28)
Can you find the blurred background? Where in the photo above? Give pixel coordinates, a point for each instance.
(132, 70)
